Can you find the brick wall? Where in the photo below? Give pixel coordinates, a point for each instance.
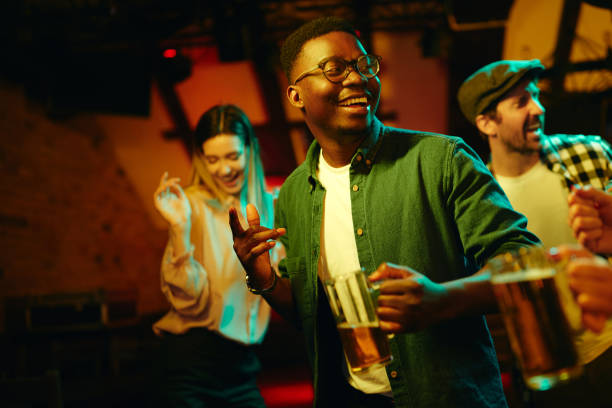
(70, 219)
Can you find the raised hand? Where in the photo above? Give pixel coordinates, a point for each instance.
(252, 246)
(408, 300)
(171, 202)
(590, 217)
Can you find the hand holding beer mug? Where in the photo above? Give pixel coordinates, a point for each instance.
(364, 343)
(540, 315)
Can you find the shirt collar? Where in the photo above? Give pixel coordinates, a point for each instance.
(364, 155)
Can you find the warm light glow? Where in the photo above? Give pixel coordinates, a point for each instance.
(169, 53)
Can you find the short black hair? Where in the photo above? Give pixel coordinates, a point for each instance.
(315, 28)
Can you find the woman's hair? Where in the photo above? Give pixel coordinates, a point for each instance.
(231, 120)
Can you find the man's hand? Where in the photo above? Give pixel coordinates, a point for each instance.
(590, 217)
(590, 278)
(408, 300)
(252, 246)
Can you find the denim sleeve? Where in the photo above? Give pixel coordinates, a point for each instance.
(485, 219)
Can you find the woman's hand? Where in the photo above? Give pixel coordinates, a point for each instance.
(172, 203)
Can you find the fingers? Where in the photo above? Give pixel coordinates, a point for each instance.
(260, 249)
(390, 327)
(388, 270)
(391, 320)
(160, 187)
(590, 292)
(256, 232)
(585, 223)
(399, 299)
(582, 210)
(590, 193)
(568, 250)
(594, 322)
(594, 304)
(593, 269)
(580, 196)
(591, 279)
(406, 286)
(590, 239)
(167, 185)
(252, 215)
(399, 306)
(583, 216)
(234, 223)
(164, 177)
(396, 321)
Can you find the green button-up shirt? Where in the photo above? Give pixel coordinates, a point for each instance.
(422, 200)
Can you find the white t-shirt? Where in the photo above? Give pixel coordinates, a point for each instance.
(339, 254)
(541, 196)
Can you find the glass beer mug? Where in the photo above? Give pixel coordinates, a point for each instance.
(540, 315)
(365, 345)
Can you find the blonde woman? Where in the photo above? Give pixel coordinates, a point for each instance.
(213, 319)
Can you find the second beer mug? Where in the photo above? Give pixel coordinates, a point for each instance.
(539, 314)
(364, 343)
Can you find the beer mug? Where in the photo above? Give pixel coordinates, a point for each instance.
(365, 345)
(540, 315)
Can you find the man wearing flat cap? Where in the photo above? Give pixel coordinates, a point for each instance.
(537, 172)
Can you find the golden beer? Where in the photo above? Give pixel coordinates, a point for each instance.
(364, 345)
(538, 329)
(351, 303)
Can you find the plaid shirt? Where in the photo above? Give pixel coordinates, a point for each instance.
(579, 159)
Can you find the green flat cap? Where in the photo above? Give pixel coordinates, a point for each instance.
(487, 85)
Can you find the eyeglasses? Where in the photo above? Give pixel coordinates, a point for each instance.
(337, 70)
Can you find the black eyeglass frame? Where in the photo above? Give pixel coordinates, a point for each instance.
(349, 64)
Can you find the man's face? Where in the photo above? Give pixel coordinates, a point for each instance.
(343, 108)
(520, 118)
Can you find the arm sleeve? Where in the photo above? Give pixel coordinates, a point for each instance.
(184, 281)
(281, 222)
(486, 221)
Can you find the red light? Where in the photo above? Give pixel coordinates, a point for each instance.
(288, 394)
(169, 53)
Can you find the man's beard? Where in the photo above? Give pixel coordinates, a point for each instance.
(523, 148)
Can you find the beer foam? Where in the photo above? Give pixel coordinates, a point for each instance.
(522, 276)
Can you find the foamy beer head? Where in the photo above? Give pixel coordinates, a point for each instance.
(364, 343)
(540, 315)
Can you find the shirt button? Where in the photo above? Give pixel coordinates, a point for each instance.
(355, 187)
(359, 231)
(393, 374)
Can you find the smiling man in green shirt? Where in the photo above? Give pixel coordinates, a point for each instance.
(376, 197)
